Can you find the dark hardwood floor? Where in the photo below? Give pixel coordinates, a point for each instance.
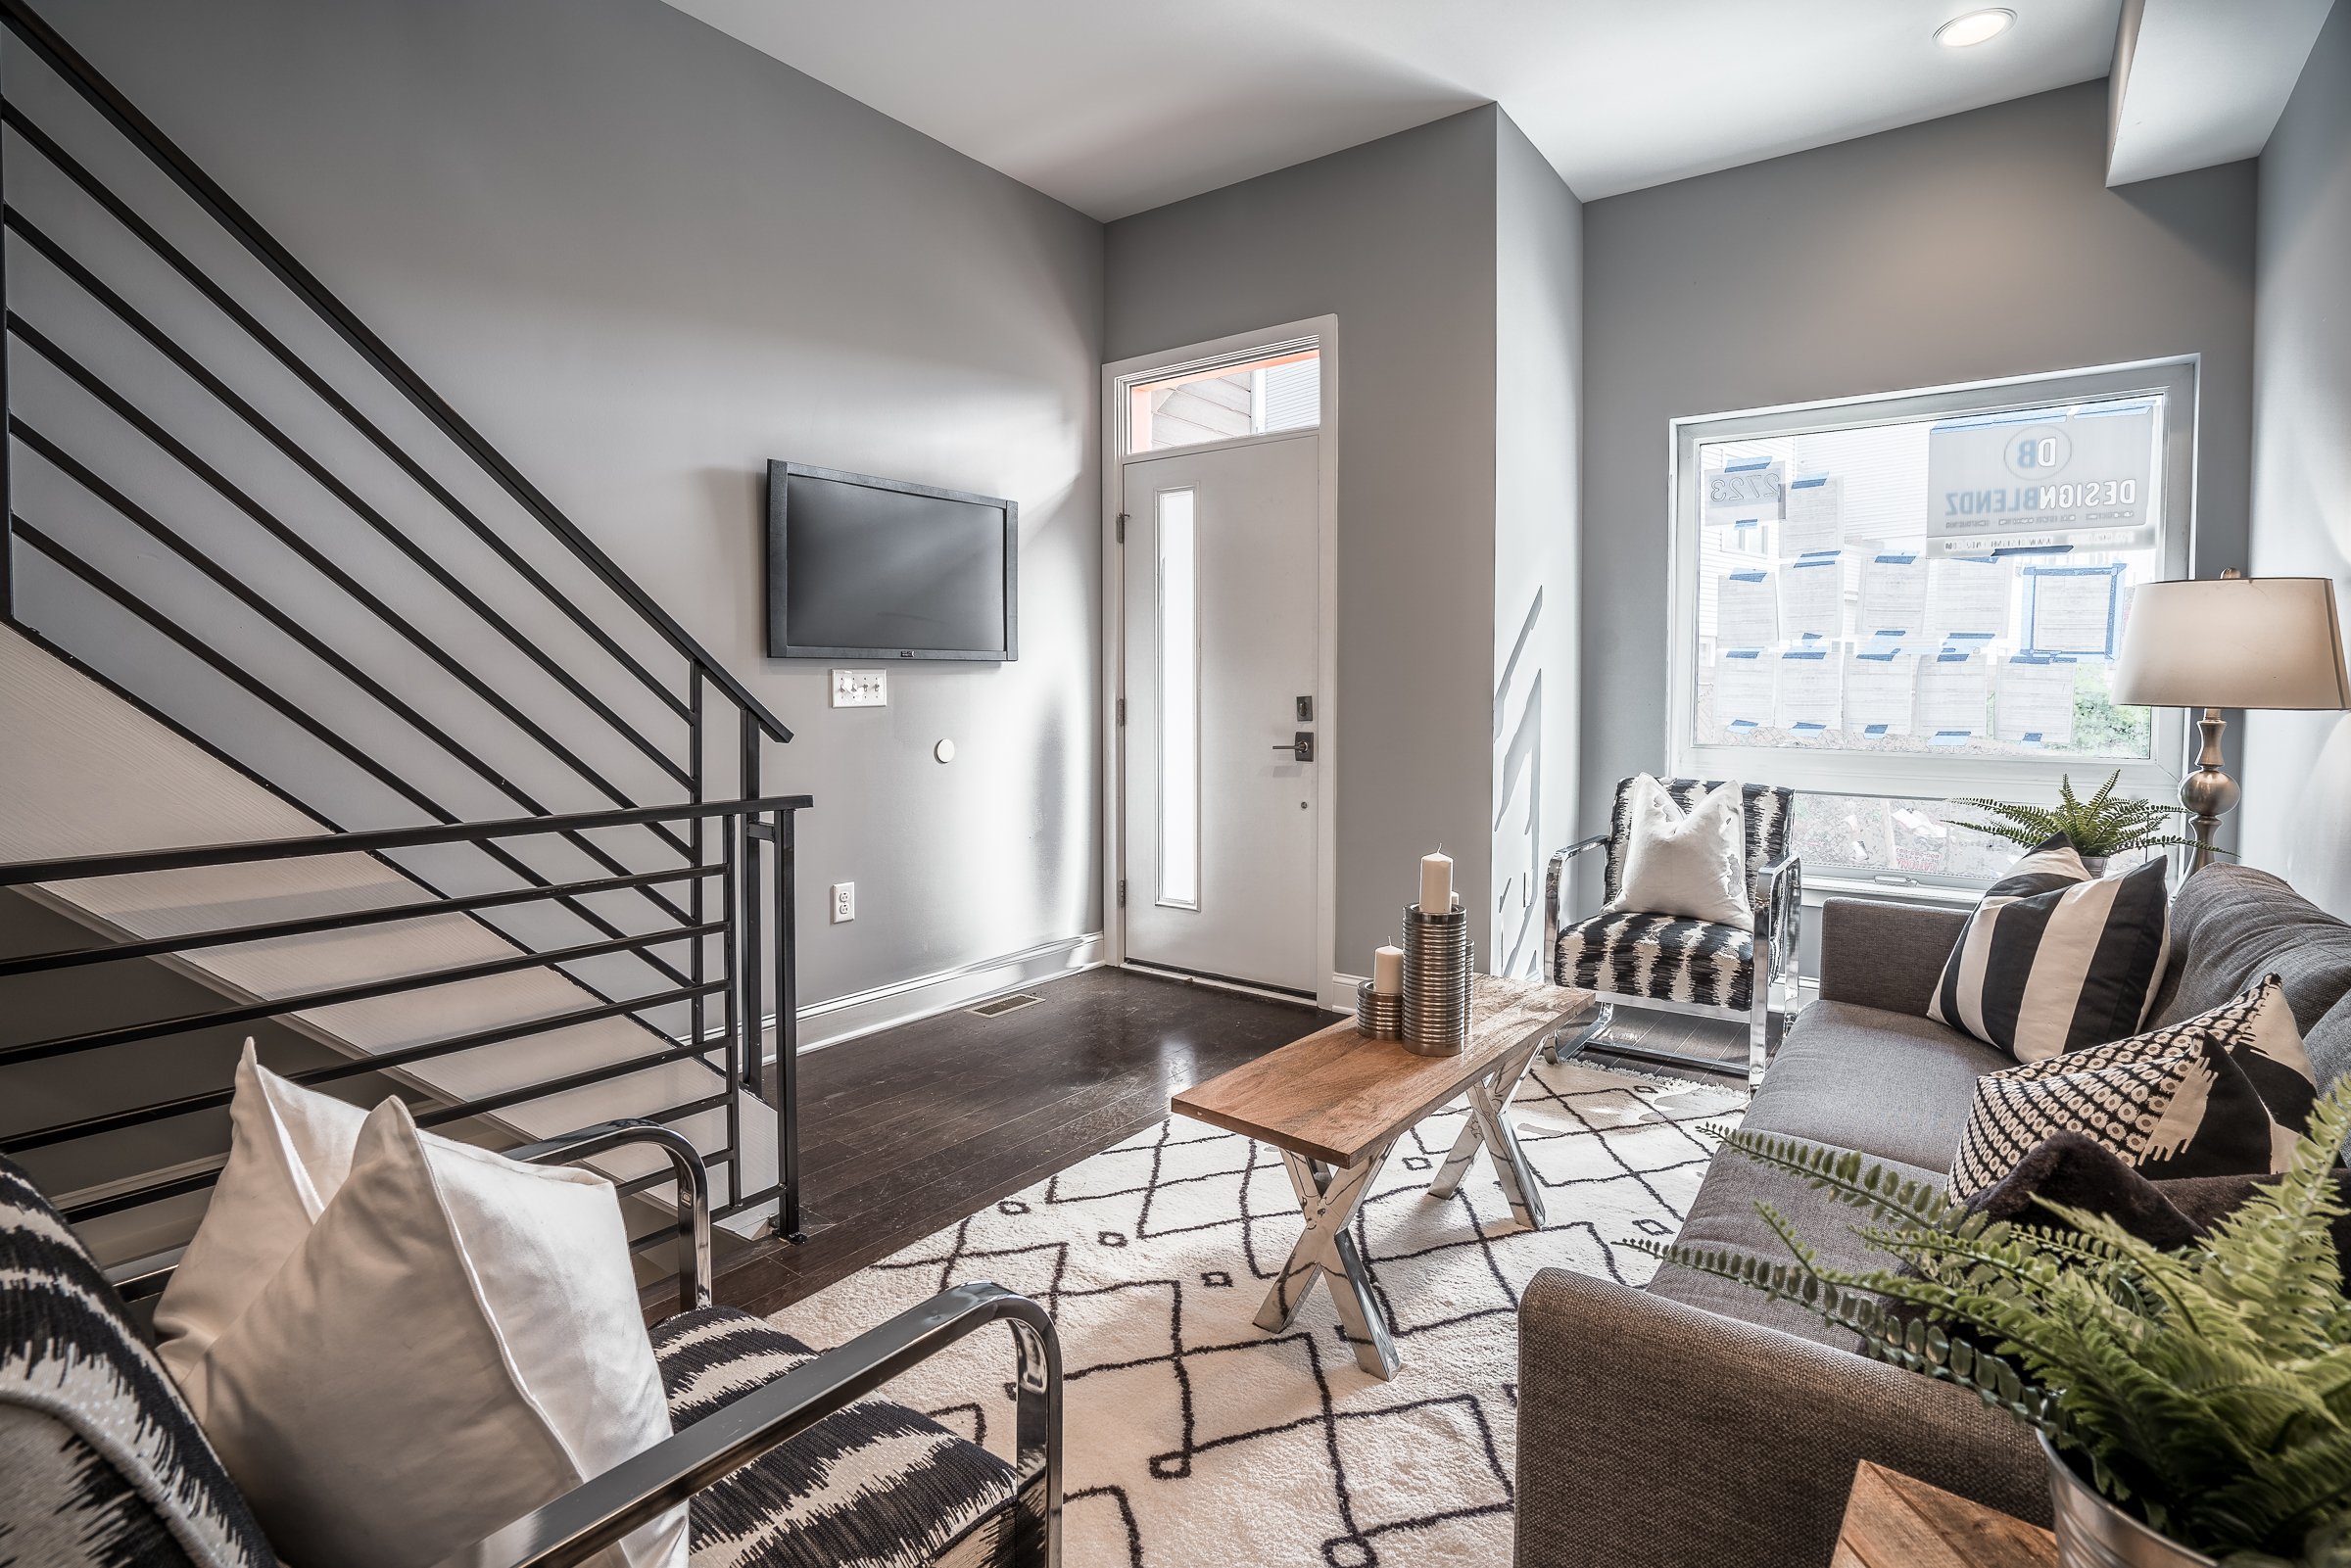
(907, 1130)
(911, 1128)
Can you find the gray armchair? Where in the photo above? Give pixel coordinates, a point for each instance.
(1675, 965)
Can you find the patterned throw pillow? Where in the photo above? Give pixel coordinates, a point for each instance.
(101, 1463)
(2221, 1094)
(2055, 958)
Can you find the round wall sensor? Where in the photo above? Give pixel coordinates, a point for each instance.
(944, 751)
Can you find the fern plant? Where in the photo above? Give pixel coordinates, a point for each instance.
(2209, 1388)
(2106, 823)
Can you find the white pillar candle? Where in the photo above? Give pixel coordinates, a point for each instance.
(1387, 972)
(1436, 883)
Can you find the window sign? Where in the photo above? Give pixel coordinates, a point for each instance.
(1816, 516)
(2041, 477)
(2074, 609)
(1745, 493)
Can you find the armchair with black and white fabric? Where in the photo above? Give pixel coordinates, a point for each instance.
(780, 1458)
(1676, 962)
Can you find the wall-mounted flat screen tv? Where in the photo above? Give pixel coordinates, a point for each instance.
(860, 568)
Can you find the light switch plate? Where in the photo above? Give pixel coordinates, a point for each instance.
(861, 689)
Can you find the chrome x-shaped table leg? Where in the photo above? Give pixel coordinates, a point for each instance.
(1489, 1127)
(1328, 1251)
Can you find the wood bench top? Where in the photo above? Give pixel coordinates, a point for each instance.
(1897, 1521)
(1337, 1097)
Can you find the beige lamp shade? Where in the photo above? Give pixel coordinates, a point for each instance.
(2234, 642)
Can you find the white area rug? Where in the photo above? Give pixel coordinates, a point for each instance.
(1193, 1437)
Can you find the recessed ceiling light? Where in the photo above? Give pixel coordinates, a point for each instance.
(1975, 27)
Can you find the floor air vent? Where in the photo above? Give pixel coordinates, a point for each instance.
(998, 1005)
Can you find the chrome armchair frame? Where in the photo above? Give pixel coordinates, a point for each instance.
(1775, 893)
(694, 1187)
(604, 1508)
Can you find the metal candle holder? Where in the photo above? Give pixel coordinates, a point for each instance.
(1437, 959)
(1377, 1017)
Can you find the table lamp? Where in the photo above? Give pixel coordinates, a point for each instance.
(2230, 641)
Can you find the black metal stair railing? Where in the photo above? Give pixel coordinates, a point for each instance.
(747, 821)
(227, 500)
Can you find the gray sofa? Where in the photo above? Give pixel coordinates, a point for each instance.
(1693, 1422)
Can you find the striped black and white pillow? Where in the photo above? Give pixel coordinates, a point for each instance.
(2055, 958)
(2226, 1093)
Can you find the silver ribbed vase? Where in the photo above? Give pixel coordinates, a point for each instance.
(1377, 1017)
(1437, 958)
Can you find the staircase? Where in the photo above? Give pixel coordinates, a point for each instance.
(307, 696)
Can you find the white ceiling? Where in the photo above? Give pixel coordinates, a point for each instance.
(1117, 105)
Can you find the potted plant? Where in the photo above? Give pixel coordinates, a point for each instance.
(2195, 1405)
(2104, 824)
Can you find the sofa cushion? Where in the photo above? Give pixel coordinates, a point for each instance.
(1889, 1084)
(2233, 924)
(2329, 1042)
(2056, 959)
(2073, 1172)
(2175, 1103)
(1723, 1214)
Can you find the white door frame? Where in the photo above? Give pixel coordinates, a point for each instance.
(1334, 989)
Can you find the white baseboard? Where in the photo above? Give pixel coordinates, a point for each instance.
(845, 1018)
(1338, 993)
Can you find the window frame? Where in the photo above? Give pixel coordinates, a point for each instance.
(1890, 776)
(1125, 387)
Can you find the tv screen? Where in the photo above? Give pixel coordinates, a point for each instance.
(859, 567)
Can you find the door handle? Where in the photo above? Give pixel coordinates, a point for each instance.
(1302, 748)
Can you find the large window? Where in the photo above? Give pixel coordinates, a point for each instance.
(1889, 603)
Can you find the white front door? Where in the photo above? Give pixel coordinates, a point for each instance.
(1221, 597)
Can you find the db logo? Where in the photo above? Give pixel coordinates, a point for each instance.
(2040, 452)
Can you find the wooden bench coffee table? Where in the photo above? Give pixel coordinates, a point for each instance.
(1336, 1104)
(1896, 1521)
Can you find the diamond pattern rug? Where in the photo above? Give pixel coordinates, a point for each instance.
(1193, 1437)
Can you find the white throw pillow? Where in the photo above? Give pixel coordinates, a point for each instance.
(454, 1340)
(1691, 863)
(289, 1149)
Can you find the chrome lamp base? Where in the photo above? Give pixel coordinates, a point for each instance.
(2207, 792)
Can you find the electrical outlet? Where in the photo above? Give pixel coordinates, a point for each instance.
(844, 902)
(861, 689)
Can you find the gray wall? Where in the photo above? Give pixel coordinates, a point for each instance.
(645, 260)
(1982, 245)
(1397, 239)
(1538, 417)
(2296, 816)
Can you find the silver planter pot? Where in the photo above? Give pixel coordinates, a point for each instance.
(2092, 1533)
